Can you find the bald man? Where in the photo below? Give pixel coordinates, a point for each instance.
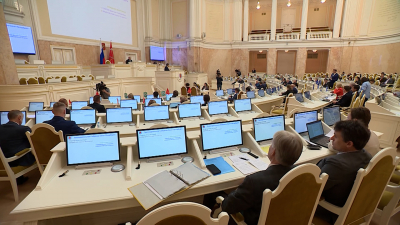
(59, 122)
(63, 100)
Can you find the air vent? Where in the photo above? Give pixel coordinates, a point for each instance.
(312, 56)
(263, 14)
(316, 9)
(261, 56)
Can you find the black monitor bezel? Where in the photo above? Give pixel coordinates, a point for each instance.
(241, 100)
(208, 109)
(29, 106)
(323, 114)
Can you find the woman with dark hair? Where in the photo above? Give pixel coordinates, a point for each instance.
(205, 87)
(175, 94)
(206, 99)
(357, 80)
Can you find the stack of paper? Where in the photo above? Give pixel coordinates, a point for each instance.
(244, 167)
(259, 164)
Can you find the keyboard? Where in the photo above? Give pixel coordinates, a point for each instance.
(323, 141)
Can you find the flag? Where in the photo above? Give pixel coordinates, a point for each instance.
(167, 92)
(69, 100)
(102, 60)
(111, 56)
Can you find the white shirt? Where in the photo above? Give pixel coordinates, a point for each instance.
(372, 146)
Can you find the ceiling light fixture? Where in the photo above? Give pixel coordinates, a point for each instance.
(258, 5)
(260, 51)
(286, 50)
(315, 50)
(289, 4)
(323, 1)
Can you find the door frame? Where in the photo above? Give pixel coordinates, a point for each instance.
(52, 47)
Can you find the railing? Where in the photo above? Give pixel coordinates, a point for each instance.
(319, 35)
(258, 37)
(284, 37)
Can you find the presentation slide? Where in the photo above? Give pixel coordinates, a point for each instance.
(217, 107)
(221, 135)
(160, 112)
(158, 101)
(84, 116)
(157, 53)
(195, 99)
(114, 99)
(92, 19)
(315, 129)
(129, 103)
(331, 115)
(21, 39)
(35, 106)
(42, 116)
(119, 115)
(92, 148)
(189, 110)
(301, 119)
(242, 105)
(4, 118)
(78, 105)
(161, 142)
(265, 128)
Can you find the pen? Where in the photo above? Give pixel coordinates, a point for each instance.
(64, 173)
(243, 158)
(138, 166)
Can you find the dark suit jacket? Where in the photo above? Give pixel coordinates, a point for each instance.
(13, 140)
(166, 68)
(128, 61)
(67, 127)
(98, 107)
(247, 198)
(258, 85)
(345, 101)
(264, 86)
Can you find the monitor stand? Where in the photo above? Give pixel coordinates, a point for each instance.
(94, 165)
(164, 158)
(222, 150)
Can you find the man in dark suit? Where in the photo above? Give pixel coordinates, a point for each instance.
(334, 77)
(284, 151)
(166, 67)
(128, 60)
(13, 140)
(59, 123)
(235, 96)
(345, 100)
(96, 105)
(382, 80)
(258, 85)
(63, 100)
(349, 139)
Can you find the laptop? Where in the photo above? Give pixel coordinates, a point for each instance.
(316, 133)
(299, 97)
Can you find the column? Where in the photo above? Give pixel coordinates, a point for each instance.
(194, 19)
(148, 19)
(301, 59)
(304, 15)
(246, 20)
(338, 18)
(271, 61)
(237, 20)
(8, 70)
(274, 10)
(165, 19)
(203, 17)
(140, 25)
(365, 17)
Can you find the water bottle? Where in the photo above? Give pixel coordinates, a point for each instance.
(98, 124)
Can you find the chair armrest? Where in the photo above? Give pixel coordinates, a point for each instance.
(330, 207)
(392, 188)
(23, 152)
(18, 155)
(219, 199)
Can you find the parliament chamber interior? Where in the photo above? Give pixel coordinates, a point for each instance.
(195, 112)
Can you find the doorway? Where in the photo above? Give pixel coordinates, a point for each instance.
(258, 61)
(317, 61)
(286, 61)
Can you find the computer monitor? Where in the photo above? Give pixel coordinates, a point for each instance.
(150, 96)
(230, 91)
(35, 106)
(261, 93)
(174, 104)
(129, 103)
(137, 98)
(299, 97)
(4, 117)
(315, 129)
(168, 97)
(221, 135)
(119, 115)
(51, 104)
(83, 116)
(331, 115)
(218, 107)
(250, 94)
(266, 127)
(160, 112)
(158, 101)
(307, 95)
(91, 100)
(189, 110)
(302, 118)
(219, 93)
(269, 91)
(92, 148)
(164, 141)
(114, 99)
(78, 104)
(242, 105)
(43, 115)
(195, 99)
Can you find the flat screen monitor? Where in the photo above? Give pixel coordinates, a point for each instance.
(91, 100)
(219, 93)
(168, 97)
(35, 106)
(307, 95)
(51, 104)
(221, 135)
(302, 118)
(157, 53)
(266, 127)
(4, 117)
(195, 99)
(119, 115)
(174, 104)
(299, 97)
(160, 112)
(21, 39)
(218, 107)
(150, 96)
(331, 115)
(250, 94)
(189, 110)
(158, 101)
(137, 98)
(164, 141)
(230, 91)
(42, 115)
(92, 148)
(261, 93)
(129, 103)
(78, 105)
(315, 129)
(242, 105)
(83, 116)
(114, 99)
(269, 91)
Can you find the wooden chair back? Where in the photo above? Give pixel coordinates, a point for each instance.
(183, 91)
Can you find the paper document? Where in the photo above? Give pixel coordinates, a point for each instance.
(221, 164)
(190, 174)
(259, 164)
(330, 134)
(265, 148)
(245, 167)
(237, 158)
(165, 184)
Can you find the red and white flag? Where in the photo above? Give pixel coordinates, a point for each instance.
(111, 56)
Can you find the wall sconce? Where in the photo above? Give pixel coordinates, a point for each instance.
(323, 1)
(289, 4)
(258, 5)
(286, 50)
(315, 50)
(260, 51)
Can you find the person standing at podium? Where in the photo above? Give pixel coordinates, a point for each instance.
(166, 67)
(219, 82)
(128, 60)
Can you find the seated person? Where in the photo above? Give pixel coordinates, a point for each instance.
(326, 83)
(152, 103)
(235, 96)
(349, 139)
(355, 88)
(183, 99)
(175, 94)
(295, 91)
(317, 81)
(338, 91)
(96, 104)
(196, 85)
(248, 88)
(155, 94)
(59, 123)
(253, 70)
(13, 140)
(205, 87)
(63, 100)
(284, 151)
(289, 90)
(187, 88)
(258, 85)
(206, 99)
(130, 96)
(295, 83)
(390, 81)
(264, 85)
(345, 100)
